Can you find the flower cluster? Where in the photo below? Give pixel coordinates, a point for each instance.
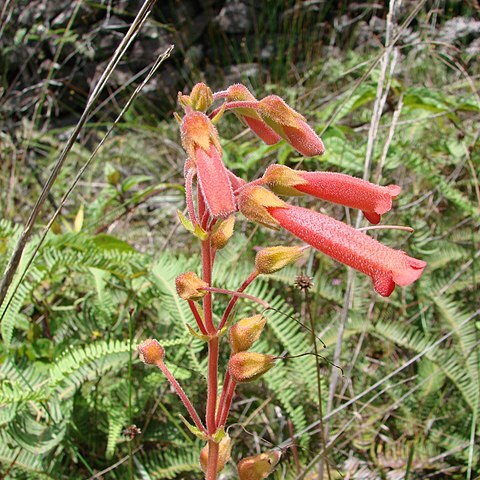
(214, 194)
(224, 193)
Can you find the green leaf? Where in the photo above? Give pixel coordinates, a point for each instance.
(109, 242)
(193, 429)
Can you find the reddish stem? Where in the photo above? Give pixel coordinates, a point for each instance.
(221, 403)
(233, 301)
(212, 460)
(197, 316)
(183, 397)
(235, 294)
(237, 104)
(228, 402)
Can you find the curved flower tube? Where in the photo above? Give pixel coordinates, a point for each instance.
(290, 125)
(249, 116)
(387, 267)
(339, 188)
(200, 140)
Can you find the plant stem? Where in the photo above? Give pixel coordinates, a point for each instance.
(233, 301)
(183, 397)
(236, 294)
(213, 344)
(197, 316)
(228, 401)
(212, 460)
(221, 403)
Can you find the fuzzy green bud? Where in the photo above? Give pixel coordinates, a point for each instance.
(224, 449)
(188, 286)
(201, 97)
(222, 232)
(258, 466)
(246, 332)
(151, 352)
(248, 366)
(272, 259)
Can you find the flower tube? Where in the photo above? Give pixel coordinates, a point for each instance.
(290, 125)
(373, 200)
(387, 267)
(249, 116)
(200, 141)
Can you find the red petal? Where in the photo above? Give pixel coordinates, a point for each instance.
(214, 182)
(262, 130)
(385, 265)
(304, 139)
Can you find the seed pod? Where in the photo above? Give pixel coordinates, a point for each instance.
(188, 286)
(248, 366)
(259, 466)
(224, 449)
(151, 352)
(244, 333)
(272, 259)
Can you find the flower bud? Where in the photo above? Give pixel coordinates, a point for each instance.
(290, 125)
(249, 116)
(272, 259)
(198, 131)
(254, 202)
(151, 352)
(246, 332)
(248, 366)
(259, 466)
(201, 97)
(224, 449)
(188, 286)
(222, 233)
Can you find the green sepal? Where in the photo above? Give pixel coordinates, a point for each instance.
(202, 337)
(219, 115)
(225, 328)
(197, 230)
(219, 435)
(193, 429)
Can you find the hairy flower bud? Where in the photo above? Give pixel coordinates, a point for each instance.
(188, 286)
(224, 449)
(253, 203)
(249, 116)
(222, 233)
(272, 259)
(151, 352)
(201, 97)
(246, 332)
(198, 131)
(248, 366)
(258, 466)
(290, 125)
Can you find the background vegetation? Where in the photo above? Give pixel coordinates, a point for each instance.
(103, 277)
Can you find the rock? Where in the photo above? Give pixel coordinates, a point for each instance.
(235, 17)
(242, 72)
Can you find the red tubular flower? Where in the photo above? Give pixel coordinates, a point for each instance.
(373, 200)
(384, 265)
(200, 141)
(290, 125)
(248, 116)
